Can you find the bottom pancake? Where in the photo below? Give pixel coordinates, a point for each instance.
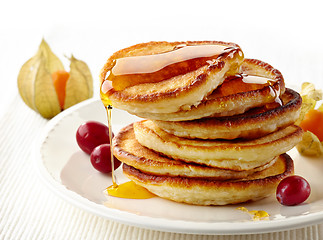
(205, 191)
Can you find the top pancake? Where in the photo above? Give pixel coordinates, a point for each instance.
(178, 92)
(223, 103)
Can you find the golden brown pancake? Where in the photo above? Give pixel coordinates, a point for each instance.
(219, 124)
(231, 97)
(205, 191)
(235, 154)
(254, 123)
(177, 92)
(128, 150)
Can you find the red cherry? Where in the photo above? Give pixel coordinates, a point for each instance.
(101, 159)
(293, 190)
(92, 134)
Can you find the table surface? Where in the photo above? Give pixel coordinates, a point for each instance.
(287, 35)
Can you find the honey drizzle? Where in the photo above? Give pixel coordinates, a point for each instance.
(276, 94)
(128, 189)
(129, 71)
(250, 79)
(244, 83)
(109, 110)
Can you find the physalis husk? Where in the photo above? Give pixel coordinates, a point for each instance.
(310, 96)
(36, 86)
(79, 86)
(310, 144)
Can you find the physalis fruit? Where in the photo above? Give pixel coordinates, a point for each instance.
(47, 88)
(311, 121)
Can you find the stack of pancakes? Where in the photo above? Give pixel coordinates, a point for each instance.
(214, 135)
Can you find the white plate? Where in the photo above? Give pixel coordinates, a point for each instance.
(68, 172)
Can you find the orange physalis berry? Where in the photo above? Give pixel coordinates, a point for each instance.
(59, 79)
(313, 122)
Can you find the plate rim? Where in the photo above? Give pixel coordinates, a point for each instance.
(156, 223)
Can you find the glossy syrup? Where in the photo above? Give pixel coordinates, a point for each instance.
(128, 189)
(245, 83)
(105, 87)
(130, 71)
(109, 111)
(255, 215)
(275, 93)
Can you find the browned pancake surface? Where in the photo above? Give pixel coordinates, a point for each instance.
(254, 123)
(217, 104)
(238, 154)
(204, 191)
(128, 150)
(178, 92)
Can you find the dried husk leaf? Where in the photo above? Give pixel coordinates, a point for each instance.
(307, 104)
(79, 86)
(308, 89)
(26, 79)
(53, 63)
(35, 83)
(320, 108)
(310, 96)
(310, 145)
(45, 98)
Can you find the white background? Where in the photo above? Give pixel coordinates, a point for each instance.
(286, 34)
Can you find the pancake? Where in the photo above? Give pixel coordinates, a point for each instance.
(232, 97)
(128, 150)
(220, 125)
(254, 123)
(204, 191)
(235, 154)
(180, 91)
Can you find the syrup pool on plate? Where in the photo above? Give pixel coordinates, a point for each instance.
(129, 190)
(256, 215)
